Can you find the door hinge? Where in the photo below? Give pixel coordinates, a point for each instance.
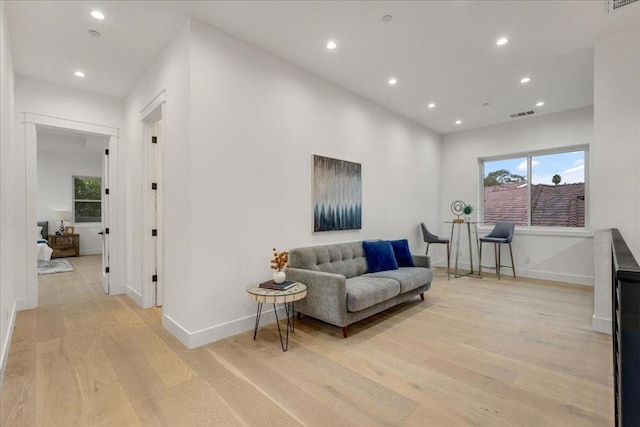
(154, 185)
(154, 232)
(106, 191)
(106, 270)
(154, 278)
(106, 230)
(106, 152)
(154, 139)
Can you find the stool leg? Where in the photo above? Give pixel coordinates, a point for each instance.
(513, 266)
(480, 261)
(499, 261)
(448, 261)
(495, 255)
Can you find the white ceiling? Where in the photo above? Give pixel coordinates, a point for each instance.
(442, 52)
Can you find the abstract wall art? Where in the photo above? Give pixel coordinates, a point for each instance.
(337, 194)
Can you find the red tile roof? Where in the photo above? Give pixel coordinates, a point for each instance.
(551, 205)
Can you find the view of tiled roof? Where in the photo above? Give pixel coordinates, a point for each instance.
(551, 205)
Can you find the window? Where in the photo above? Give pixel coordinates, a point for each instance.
(87, 201)
(540, 190)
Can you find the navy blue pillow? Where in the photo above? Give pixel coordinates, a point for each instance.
(402, 253)
(380, 256)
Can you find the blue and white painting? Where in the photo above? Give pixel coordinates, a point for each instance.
(337, 194)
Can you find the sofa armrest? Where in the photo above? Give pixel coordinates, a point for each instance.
(326, 295)
(421, 261)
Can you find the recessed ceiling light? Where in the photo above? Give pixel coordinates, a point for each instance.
(502, 41)
(458, 122)
(525, 80)
(331, 45)
(97, 14)
(540, 104)
(486, 104)
(432, 105)
(78, 74)
(387, 18)
(94, 33)
(393, 81)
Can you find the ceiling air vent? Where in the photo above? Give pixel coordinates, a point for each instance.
(612, 5)
(523, 114)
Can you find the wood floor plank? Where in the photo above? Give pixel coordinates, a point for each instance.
(477, 352)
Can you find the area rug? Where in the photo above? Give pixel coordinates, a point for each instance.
(56, 266)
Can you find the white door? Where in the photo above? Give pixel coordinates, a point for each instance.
(105, 219)
(154, 209)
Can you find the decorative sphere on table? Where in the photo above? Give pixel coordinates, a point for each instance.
(457, 207)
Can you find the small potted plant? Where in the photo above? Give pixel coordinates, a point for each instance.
(278, 263)
(467, 210)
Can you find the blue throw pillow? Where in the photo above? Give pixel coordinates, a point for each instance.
(402, 253)
(380, 256)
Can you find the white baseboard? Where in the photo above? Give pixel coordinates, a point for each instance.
(134, 295)
(531, 274)
(600, 324)
(4, 355)
(208, 335)
(117, 289)
(23, 304)
(91, 252)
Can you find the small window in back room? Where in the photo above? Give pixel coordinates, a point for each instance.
(87, 201)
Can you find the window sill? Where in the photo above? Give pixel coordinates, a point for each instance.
(543, 231)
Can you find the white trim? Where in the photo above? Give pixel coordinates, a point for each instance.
(31, 122)
(152, 106)
(75, 125)
(133, 294)
(91, 252)
(214, 333)
(573, 279)
(4, 355)
(543, 231)
(599, 324)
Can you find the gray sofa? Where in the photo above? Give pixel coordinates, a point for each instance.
(342, 292)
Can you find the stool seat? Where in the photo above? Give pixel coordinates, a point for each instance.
(430, 238)
(501, 234)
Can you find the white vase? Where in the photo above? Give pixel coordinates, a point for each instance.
(279, 276)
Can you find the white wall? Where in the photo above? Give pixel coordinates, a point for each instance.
(44, 98)
(553, 256)
(615, 164)
(8, 257)
(56, 168)
(238, 169)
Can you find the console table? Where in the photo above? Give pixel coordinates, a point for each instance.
(64, 245)
(270, 296)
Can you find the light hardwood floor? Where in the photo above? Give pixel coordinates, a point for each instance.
(476, 352)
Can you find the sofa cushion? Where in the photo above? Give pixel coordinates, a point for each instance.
(402, 253)
(380, 256)
(339, 258)
(364, 292)
(409, 277)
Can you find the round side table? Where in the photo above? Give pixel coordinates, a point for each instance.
(271, 296)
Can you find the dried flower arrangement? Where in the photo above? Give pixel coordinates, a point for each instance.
(280, 260)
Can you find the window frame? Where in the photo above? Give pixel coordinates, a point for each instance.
(536, 229)
(74, 200)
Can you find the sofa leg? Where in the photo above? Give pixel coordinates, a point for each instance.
(422, 296)
(299, 315)
(344, 332)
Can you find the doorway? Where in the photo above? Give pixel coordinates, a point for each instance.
(40, 124)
